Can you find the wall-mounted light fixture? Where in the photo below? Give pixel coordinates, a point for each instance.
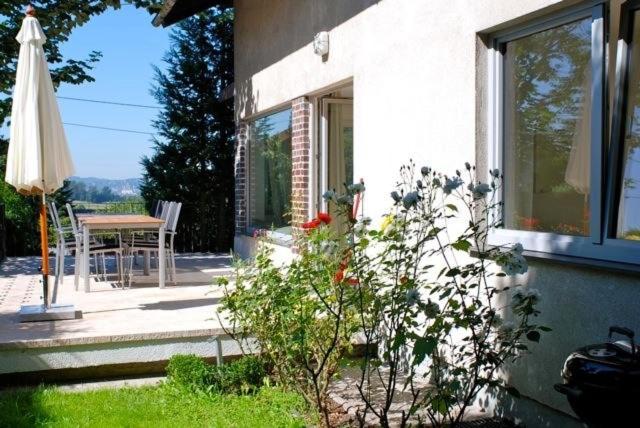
(321, 43)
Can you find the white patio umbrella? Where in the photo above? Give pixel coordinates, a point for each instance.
(38, 160)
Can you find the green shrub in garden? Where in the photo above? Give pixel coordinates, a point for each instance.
(190, 372)
(301, 318)
(242, 376)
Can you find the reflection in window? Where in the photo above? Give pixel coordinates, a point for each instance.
(547, 138)
(629, 203)
(270, 172)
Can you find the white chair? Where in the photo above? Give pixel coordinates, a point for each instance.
(96, 248)
(64, 242)
(148, 242)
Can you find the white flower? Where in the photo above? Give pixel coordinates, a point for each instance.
(361, 226)
(328, 247)
(481, 190)
(451, 184)
(356, 188)
(410, 199)
(513, 262)
(329, 195)
(412, 296)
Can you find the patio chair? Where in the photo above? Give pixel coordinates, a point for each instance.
(96, 248)
(64, 242)
(148, 241)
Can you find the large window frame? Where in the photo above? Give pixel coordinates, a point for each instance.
(600, 244)
(277, 237)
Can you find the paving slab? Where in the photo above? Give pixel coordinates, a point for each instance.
(109, 312)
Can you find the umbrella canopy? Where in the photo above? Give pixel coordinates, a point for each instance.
(38, 160)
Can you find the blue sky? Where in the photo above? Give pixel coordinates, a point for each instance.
(130, 46)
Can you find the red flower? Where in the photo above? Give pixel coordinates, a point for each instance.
(339, 276)
(353, 281)
(324, 218)
(311, 224)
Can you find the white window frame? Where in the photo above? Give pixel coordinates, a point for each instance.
(323, 148)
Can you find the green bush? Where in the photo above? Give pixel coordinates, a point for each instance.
(237, 377)
(190, 372)
(241, 376)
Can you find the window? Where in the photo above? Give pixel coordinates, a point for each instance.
(566, 192)
(547, 136)
(270, 173)
(626, 135)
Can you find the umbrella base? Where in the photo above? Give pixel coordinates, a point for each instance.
(35, 313)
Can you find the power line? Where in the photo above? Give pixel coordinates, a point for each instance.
(109, 129)
(109, 102)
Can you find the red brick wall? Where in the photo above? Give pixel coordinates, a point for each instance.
(300, 160)
(240, 171)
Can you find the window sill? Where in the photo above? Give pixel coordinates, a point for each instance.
(595, 264)
(577, 261)
(276, 238)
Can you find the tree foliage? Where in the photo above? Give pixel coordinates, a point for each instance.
(193, 159)
(58, 19)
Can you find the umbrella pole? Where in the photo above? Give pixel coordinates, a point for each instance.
(44, 243)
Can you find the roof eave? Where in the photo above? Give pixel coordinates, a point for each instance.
(173, 11)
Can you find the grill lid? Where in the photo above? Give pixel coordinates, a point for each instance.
(614, 365)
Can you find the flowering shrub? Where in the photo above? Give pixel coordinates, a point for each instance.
(431, 305)
(301, 317)
(423, 289)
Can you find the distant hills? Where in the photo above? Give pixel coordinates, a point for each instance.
(123, 187)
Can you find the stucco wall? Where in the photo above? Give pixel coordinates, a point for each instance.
(418, 73)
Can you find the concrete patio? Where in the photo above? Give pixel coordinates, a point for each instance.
(121, 332)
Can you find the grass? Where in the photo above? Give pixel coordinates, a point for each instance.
(161, 406)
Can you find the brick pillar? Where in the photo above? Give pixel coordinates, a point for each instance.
(240, 171)
(300, 161)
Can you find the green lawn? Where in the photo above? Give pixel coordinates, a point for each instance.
(149, 407)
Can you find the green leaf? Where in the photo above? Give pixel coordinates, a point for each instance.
(462, 245)
(453, 272)
(422, 347)
(533, 336)
(543, 328)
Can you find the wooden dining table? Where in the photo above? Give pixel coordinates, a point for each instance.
(117, 223)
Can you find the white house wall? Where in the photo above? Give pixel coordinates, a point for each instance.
(418, 69)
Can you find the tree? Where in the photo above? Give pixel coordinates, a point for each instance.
(193, 158)
(58, 19)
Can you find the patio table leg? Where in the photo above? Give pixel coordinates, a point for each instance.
(147, 262)
(85, 257)
(161, 257)
(77, 265)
